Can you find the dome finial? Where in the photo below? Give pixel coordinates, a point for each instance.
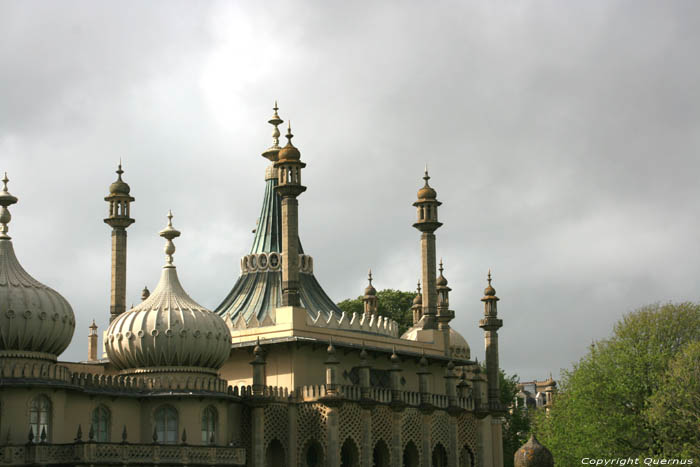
(289, 135)
(441, 268)
(168, 233)
(275, 121)
(119, 170)
(6, 199)
(418, 286)
(489, 291)
(369, 276)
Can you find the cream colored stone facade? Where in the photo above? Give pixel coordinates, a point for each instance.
(299, 385)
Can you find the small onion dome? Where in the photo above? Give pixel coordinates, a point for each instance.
(394, 358)
(459, 346)
(427, 192)
(289, 152)
(35, 320)
(418, 299)
(441, 281)
(168, 329)
(489, 291)
(533, 454)
(370, 290)
(119, 187)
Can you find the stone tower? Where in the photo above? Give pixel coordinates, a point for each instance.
(92, 342)
(289, 187)
(491, 324)
(427, 223)
(119, 211)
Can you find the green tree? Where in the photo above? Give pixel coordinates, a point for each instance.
(392, 303)
(674, 409)
(603, 405)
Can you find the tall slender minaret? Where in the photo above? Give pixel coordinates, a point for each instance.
(119, 211)
(491, 324)
(289, 186)
(427, 212)
(444, 314)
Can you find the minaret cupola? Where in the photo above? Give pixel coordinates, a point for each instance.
(370, 298)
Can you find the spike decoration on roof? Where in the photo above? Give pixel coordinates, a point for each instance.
(169, 233)
(6, 200)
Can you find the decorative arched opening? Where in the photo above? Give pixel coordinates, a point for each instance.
(274, 454)
(380, 455)
(439, 456)
(411, 458)
(101, 421)
(40, 418)
(166, 421)
(313, 454)
(466, 457)
(209, 421)
(349, 454)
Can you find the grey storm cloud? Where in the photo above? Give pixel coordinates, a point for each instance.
(562, 138)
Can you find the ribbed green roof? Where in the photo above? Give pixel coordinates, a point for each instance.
(257, 294)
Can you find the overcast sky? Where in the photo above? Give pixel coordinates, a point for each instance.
(561, 137)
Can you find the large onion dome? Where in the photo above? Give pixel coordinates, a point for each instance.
(35, 320)
(168, 331)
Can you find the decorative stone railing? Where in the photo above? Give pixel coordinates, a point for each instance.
(123, 453)
(357, 322)
(262, 262)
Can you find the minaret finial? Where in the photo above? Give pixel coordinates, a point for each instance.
(275, 121)
(418, 286)
(369, 277)
(119, 170)
(441, 268)
(289, 135)
(6, 199)
(489, 275)
(168, 233)
(426, 177)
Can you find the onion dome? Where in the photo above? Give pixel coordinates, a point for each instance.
(119, 187)
(427, 192)
(370, 290)
(35, 320)
(533, 454)
(459, 348)
(418, 299)
(289, 152)
(441, 281)
(169, 329)
(395, 360)
(489, 291)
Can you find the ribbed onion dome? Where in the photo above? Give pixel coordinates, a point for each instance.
(35, 320)
(427, 192)
(168, 329)
(119, 187)
(289, 152)
(533, 454)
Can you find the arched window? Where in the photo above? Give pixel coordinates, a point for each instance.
(274, 454)
(40, 418)
(380, 455)
(349, 455)
(439, 456)
(411, 458)
(166, 424)
(101, 421)
(466, 457)
(313, 454)
(208, 425)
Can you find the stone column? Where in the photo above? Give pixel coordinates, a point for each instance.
(367, 451)
(258, 436)
(497, 441)
(333, 454)
(396, 441)
(118, 285)
(426, 439)
(427, 247)
(92, 342)
(491, 324)
(290, 247)
(292, 454)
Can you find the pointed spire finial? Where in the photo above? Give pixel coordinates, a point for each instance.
(289, 135)
(168, 233)
(119, 170)
(426, 177)
(418, 286)
(441, 268)
(275, 121)
(6, 199)
(369, 277)
(489, 276)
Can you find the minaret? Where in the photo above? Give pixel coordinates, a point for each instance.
(417, 306)
(491, 324)
(370, 298)
(92, 342)
(272, 151)
(289, 186)
(119, 211)
(427, 211)
(444, 314)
